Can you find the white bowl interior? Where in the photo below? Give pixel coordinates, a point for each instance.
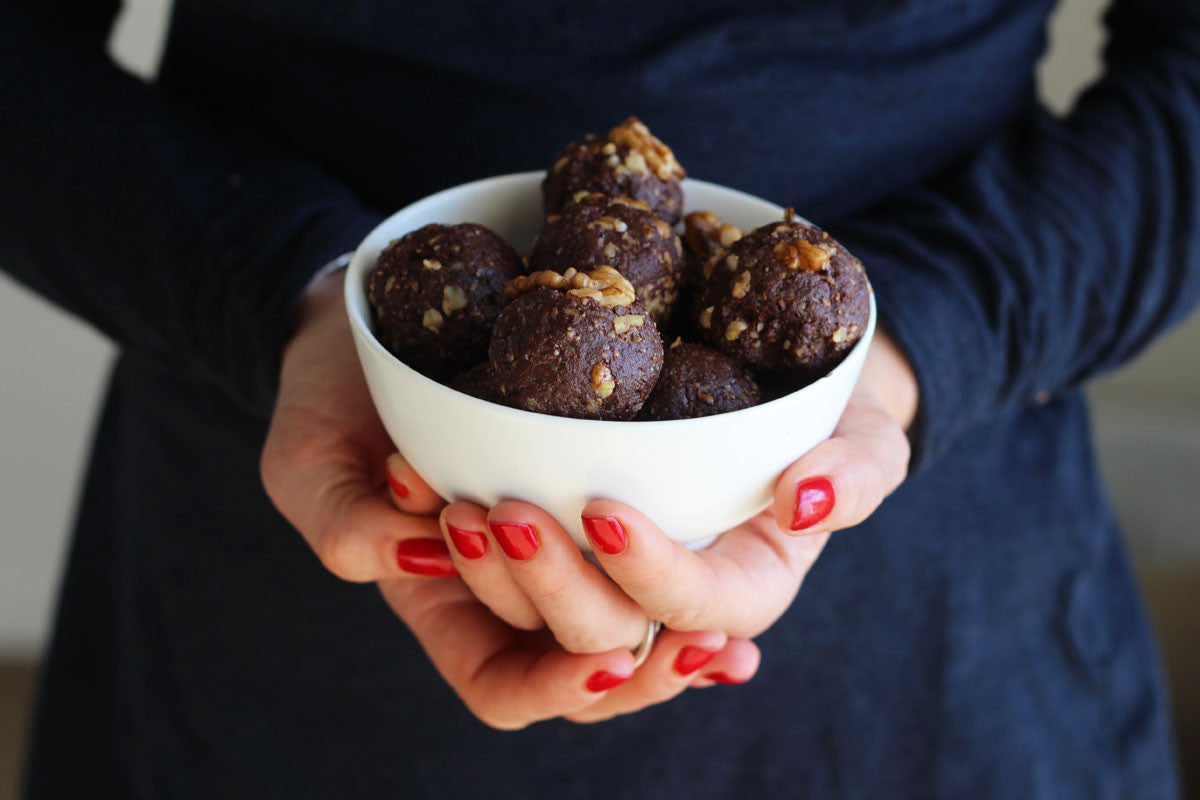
(695, 478)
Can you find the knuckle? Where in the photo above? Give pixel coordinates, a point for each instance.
(337, 556)
(584, 642)
(497, 723)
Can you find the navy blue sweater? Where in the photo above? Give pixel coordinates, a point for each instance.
(978, 637)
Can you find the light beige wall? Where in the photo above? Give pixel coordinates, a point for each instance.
(52, 367)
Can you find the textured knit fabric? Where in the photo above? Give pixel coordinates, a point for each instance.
(979, 637)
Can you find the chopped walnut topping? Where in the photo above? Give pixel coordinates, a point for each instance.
(741, 285)
(610, 224)
(734, 329)
(731, 262)
(558, 165)
(636, 162)
(704, 232)
(632, 133)
(432, 264)
(627, 201)
(389, 283)
(433, 319)
(624, 322)
(663, 229)
(705, 318)
(582, 193)
(840, 335)
(603, 382)
(610, 251)
(453, 299)
(801, 254)
(608, 149)
(711, 264)
(604, 284)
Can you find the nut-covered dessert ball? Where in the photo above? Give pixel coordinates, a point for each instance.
(436, 292)
(575, 345)
(697, 381)
(620, 233)
(628, 162)
(786, 299)
(477, 382)
(704, 233)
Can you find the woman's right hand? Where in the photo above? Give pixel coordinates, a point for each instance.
(323, 466)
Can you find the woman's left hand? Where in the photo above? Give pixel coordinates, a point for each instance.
(524, 566)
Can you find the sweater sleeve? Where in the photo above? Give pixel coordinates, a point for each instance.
(184, 239)
(1061, 248)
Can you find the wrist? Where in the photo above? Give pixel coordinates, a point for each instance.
(324, 288)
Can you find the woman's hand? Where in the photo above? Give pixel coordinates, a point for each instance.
(323, 466)
(523, 565)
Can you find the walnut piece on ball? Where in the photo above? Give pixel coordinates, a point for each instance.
(697, 381)
(575, 345)
(628, 162)
(620, 233)
(436, 292)
(785, 299)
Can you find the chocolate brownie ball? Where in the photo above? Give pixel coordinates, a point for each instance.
(477, 382)
(575, 345)
(436, 292)
(697, 381)
(786, 299)
(623, 234)
(628, 162)
(704, 233)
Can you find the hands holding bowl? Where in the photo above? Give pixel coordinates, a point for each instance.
(517, 620)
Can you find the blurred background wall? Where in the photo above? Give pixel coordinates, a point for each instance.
(52, 368)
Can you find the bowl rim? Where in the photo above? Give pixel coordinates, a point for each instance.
(354, 294)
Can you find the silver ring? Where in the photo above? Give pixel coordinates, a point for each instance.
(642, 652)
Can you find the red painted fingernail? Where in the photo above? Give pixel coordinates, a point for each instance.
(814, 501)
(428, 557)
(722, 677)
(604, 680)
(472, 544)
(399, 488)
(692, 658)
(517, 539)
(606, 533)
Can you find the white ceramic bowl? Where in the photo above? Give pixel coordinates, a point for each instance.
(694, 477)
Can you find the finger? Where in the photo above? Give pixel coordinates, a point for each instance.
(331, 493)
(586, 611)
(739, 585)
(504, 685)
(841, 481)
(735, 664)
(676, 658)
(481, 566)
(409, 491)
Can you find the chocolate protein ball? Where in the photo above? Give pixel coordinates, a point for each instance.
(628, 162)
(623, 234)
(704, 233)
(575, 345)
(785, 299)
(697, 381)
(436, 292)
(477, 382)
